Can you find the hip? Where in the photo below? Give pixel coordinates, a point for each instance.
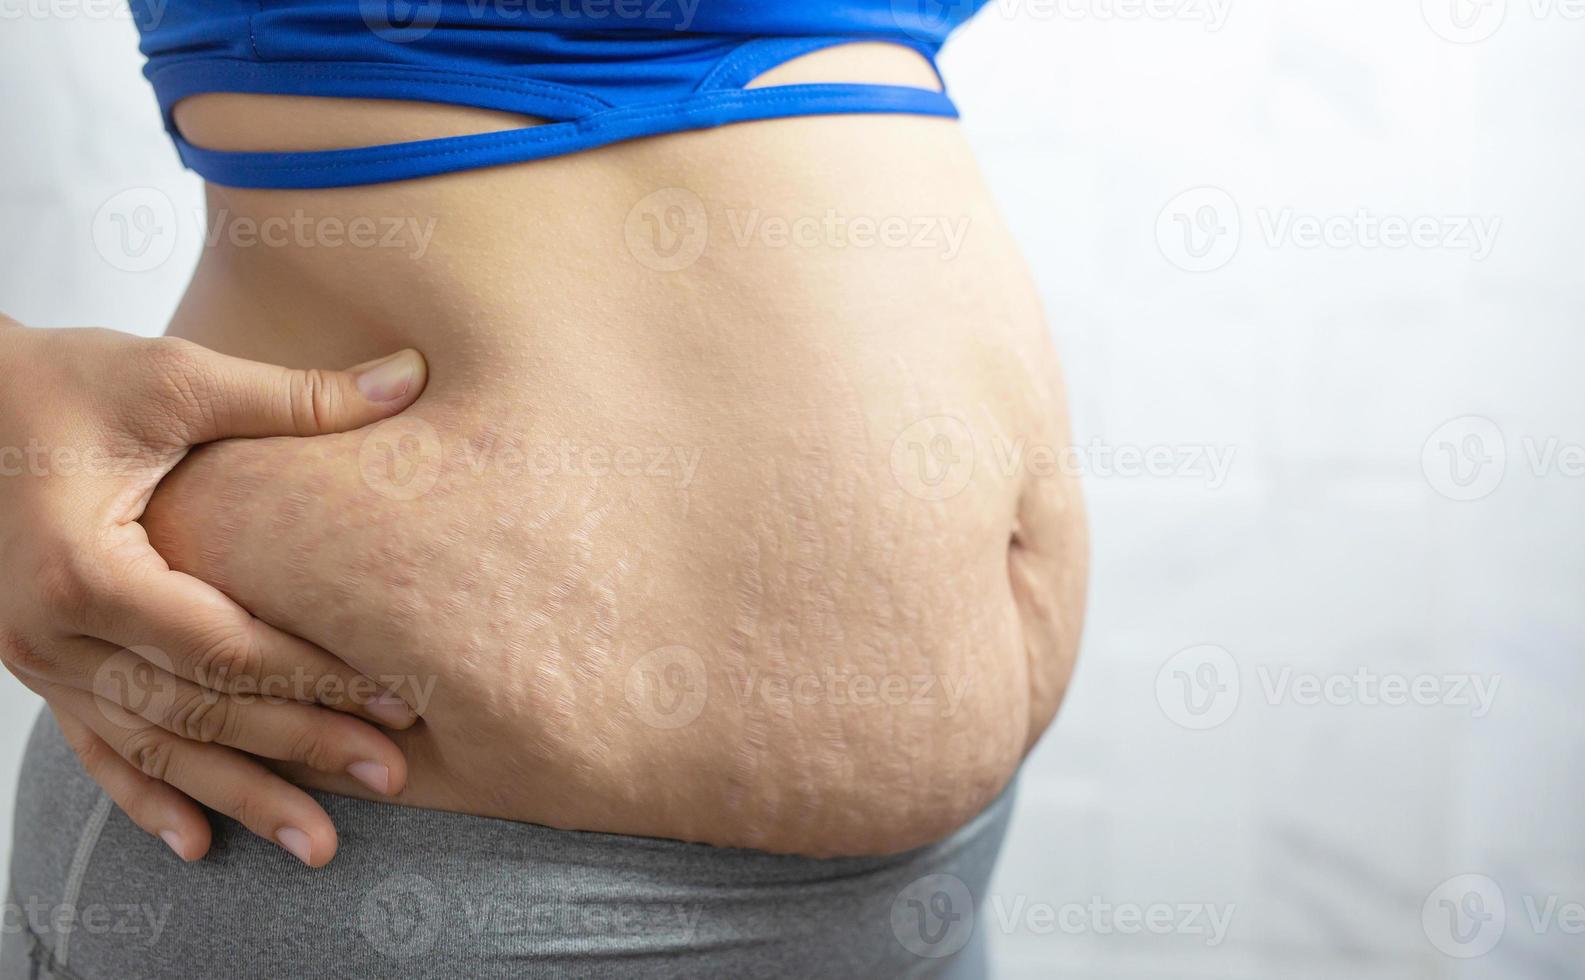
(426, 893)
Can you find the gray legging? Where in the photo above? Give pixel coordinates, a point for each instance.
(421, 893)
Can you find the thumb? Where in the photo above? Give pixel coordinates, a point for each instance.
(246, 399)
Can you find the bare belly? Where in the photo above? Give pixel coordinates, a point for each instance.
(713, 522)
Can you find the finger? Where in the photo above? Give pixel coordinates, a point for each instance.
(217, 644)
(221, 397)
(222, 779)
(154, 806)
(140, 681)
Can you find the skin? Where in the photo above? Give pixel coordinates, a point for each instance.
(687, 551)
(152, 673)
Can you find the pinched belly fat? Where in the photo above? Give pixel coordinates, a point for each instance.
(746, 554)
(782, 632)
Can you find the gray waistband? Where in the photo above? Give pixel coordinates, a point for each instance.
(429, 894)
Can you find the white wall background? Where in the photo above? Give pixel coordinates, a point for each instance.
(1335, 543)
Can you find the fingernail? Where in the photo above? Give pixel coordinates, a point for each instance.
(389, 378)
(173, 840)
(375, 775)
(297, 842)
(392, 710)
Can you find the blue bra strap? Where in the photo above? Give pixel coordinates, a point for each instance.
(178, 80)
(402, 161)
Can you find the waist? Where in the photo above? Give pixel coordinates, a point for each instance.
(434, 894)
(845, 225)
(729, 540)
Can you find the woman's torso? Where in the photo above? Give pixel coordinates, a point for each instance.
(718, 519)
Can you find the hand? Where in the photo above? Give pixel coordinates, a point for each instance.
(169, 691)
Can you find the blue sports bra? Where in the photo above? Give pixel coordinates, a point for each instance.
(599, 71)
